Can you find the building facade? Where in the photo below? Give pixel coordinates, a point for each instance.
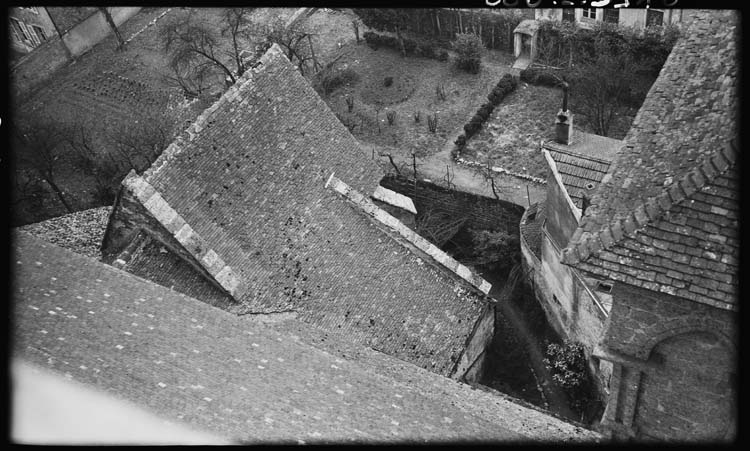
(629, 17)
(650, 237)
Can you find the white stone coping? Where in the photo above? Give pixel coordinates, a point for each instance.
(415, 239)
(393, 198)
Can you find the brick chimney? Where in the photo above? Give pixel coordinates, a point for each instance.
(564, 121)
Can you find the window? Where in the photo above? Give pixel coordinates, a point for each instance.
(19, 29)
(589, 13)
(654, 17)
(611, 15)
(40, 33)
(568, 15)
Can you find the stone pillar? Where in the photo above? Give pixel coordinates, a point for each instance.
(617, 420)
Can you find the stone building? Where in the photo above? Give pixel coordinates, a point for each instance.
(646, 275)
(629, 17)
(29, 27)
(263, 207)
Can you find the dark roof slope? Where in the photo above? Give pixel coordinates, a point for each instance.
(580, 174)
(232, 375)
(249, 182)
(673, 185)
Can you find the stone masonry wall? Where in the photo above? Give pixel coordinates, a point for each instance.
(482, 212)
(677, 365)
(641, 318)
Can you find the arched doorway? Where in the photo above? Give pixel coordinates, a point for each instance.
(693, 396)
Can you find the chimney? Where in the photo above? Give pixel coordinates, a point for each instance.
(564, 120)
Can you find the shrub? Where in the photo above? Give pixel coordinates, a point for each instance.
(478, 119)
(567, 364)
(442, 55)
(350, 104)
(391, 116)
(388, 81)
(486, 110)
(328, 80)
(440, 91)
(417, 116)
(432, 122)
(469, 49)
(460, 141)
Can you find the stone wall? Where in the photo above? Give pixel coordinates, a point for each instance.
(674, 367)
(37, 67)
(471, 365)
(82, 37)
(568, 306)
(481, 212)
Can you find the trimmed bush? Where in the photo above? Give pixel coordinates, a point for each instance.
(469, 49)
(329, 80)
(485, 110)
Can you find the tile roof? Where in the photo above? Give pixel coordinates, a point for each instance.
(580, 174)
(153, 261)
(244, 190)
(665, 217)
(235, 377)
(80, 232)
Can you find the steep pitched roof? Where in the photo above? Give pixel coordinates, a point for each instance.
(665, 217)
(245, 192)
(234, 376)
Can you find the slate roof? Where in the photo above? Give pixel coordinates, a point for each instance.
(580, 174)
(233, 376)
(153, 261)
(244, 189)
(665, 218)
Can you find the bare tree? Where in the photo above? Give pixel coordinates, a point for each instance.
(37, 149)
(113, 26)
(489, 176)
(236, 23)
(605, 82)
(140, 142)
(195, 48)
(106, 168)
(295, 41)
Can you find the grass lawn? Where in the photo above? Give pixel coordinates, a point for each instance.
(413, 90)
(511, 136)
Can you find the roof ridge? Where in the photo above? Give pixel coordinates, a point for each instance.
(198, 124)
(584, 244)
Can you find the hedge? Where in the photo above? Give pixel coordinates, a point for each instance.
(505, 86)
